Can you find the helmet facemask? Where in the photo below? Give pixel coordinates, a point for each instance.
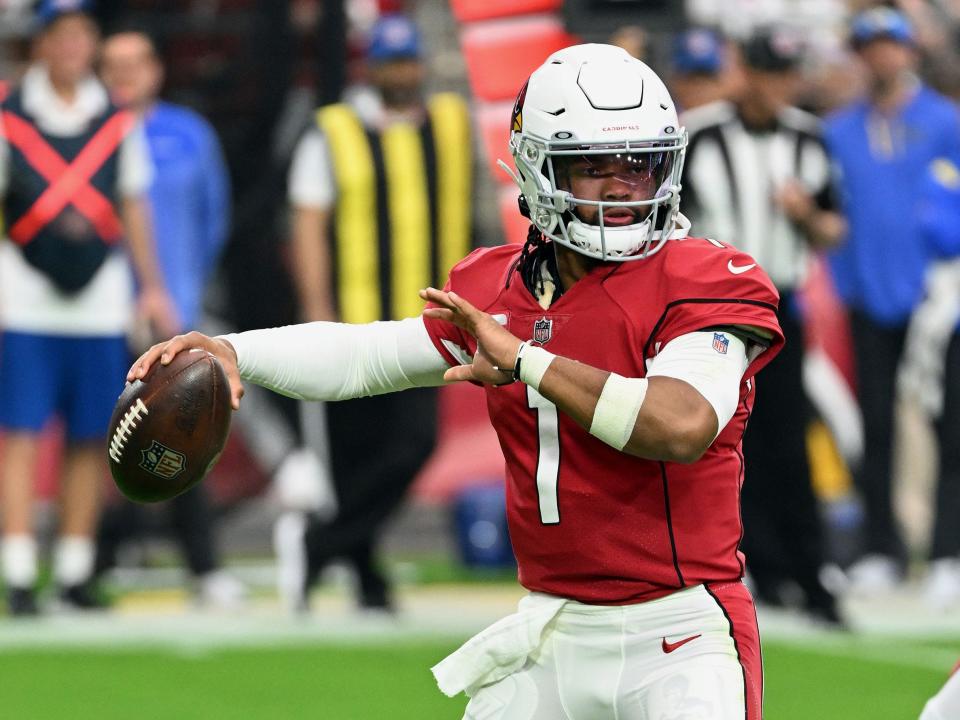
(631, 178)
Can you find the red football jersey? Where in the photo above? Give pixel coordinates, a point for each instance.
(587, 521)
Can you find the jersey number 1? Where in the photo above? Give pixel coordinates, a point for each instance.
(548, 458)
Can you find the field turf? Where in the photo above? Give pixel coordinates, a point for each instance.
(848, 679)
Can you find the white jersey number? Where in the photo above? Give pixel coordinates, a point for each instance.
(548, 457)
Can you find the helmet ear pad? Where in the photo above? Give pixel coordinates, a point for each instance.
(524, 207)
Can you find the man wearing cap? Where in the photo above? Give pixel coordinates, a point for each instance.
(73, 172)
(380, 193)
(757, 175)
(699, 71)
(884, 145)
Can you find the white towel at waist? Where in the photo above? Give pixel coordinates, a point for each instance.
(499, 650)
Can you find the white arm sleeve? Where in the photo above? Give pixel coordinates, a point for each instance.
(337, 361)
(713, 373)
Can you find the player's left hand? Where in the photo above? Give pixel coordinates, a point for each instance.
(497, 347)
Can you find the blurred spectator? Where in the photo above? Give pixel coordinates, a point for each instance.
(65, 290)
(757, 175)
(699, 69)
(391, 178)
(937, 30)
(884, 145)
(832, 79)
(190, 195)
(633, 39)
(815, 20)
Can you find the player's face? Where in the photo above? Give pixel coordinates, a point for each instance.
(616, 177)
(130, 69)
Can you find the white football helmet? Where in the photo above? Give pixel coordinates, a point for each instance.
(594, 111)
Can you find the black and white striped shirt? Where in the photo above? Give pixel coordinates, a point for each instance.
(732, 175)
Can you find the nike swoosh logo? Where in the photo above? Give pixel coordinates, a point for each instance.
(669, 647)
(738, 269)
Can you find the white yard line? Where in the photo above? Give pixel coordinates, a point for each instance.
(889, 632)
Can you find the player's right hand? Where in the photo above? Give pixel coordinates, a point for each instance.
(165, 351)
(497, 347)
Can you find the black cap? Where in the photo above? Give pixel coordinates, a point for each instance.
(773, 50)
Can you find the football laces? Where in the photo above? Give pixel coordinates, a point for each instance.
(125, 428)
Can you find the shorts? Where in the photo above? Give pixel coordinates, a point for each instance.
(75, 378)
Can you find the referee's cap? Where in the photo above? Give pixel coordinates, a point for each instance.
(49, 11)
(394, 37)
(881, 23)
(773, 49)
(698, 51)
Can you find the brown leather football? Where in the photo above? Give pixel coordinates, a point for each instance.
(168, 429)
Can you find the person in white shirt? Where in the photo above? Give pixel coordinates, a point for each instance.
(385, 177)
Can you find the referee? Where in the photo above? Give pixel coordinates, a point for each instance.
(758, 176)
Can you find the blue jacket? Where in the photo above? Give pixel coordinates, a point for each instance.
(940, 208)
(884, 174)
(190, 201)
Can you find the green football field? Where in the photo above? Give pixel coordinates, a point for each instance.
(846, 678)
(155, 656)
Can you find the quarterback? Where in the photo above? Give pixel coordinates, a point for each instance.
(618, 357)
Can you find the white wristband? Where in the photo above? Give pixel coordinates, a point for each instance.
(532, 363)
(616, 413)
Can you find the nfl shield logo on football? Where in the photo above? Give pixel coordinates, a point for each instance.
(542, 330)
(720, 343)
(162, 461)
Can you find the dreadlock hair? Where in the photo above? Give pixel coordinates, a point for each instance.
(536, 250)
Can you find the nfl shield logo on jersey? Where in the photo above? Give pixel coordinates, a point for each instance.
(720, 343)
(542, 329)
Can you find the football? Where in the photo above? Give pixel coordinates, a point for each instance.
(168, 428)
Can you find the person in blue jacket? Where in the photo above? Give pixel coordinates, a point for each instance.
(190, 198)
(883, 145)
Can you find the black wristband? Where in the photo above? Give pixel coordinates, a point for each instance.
(516, 365)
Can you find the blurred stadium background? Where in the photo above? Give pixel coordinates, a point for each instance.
(256, 69)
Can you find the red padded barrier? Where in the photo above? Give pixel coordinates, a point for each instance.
(501, 54)
(493, 121)
(474, 10)
(467, 447)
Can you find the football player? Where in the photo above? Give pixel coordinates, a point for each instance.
(618, 357)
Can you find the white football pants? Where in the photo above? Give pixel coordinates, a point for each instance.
(691, 655)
